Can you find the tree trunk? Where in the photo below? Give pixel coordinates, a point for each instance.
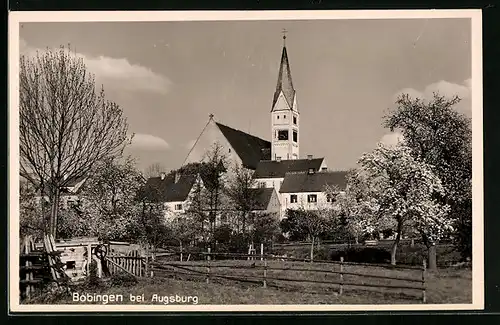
(243, 223)
(395, 245)
(431, 255)
(54, 210)
(312, 248)
(431, 252)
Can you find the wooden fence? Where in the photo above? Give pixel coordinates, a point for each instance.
(132, 263)
(277, 271)
(31, 263)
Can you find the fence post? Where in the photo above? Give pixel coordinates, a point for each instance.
(424, 267)
(89, 258)
(341, 275)
(261, 252)
(265, 274)
(152, 261)
(208, 266)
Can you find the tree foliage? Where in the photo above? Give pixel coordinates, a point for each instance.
(66, 126)
(32, 220)
(109, 200)
(308, 224)
(441, 137)
(403, 190)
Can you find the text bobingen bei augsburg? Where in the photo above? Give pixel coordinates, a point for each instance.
(92, 298)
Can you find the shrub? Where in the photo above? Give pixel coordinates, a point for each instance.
(362, 255)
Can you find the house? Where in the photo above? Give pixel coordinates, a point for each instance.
(173, 190)
(307, 189)
(271, 173)
(267, 201)
(69, 194)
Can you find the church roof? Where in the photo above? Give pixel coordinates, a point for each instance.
(278, 169)
(316, 182)
(285, 83)
(167, 190)
(249, 148)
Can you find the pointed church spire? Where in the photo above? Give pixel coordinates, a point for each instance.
(285, 83)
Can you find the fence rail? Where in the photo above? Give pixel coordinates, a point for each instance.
(262, 272)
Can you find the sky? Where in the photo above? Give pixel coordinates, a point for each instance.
(169, 76)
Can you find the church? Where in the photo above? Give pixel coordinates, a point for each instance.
(296, 181)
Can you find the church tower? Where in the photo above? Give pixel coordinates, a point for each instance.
(284, 114)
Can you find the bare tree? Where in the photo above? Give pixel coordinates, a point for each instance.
(213, 170)
(241, 193)
(154, 170)
(66, 126)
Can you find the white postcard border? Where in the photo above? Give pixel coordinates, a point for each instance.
(15, 18)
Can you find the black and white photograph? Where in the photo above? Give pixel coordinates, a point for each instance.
(245, 161)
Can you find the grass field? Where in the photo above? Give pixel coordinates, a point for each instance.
(450, 285)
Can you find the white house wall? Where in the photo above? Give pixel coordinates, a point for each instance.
(302, 201)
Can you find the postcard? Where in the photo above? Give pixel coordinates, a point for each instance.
(250, 161)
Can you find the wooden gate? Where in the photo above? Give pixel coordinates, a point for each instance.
(132, 263)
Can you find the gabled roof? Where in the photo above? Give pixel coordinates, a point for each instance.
(249, 148)
(73, 186)
(264, 196)
(285, 83)
(316, 182)
(167, 190)
(278, 169)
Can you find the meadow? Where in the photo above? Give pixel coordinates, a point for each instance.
(444, 286)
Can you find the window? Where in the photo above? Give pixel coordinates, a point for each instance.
(293, 198)
(70, 265)
(330, 198)
(178, 207)
(295, 136)
(283, 135)
(295, 120)
(278, 117)
(312, 198)
(262, 184)
(324, 168)
(284, 116)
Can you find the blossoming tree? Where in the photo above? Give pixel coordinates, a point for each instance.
(404, 190)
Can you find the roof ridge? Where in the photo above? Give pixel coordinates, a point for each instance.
(254, 136)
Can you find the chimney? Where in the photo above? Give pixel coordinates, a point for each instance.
(177, 177)
(162, 176)
(309, 157)
(278, 159)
